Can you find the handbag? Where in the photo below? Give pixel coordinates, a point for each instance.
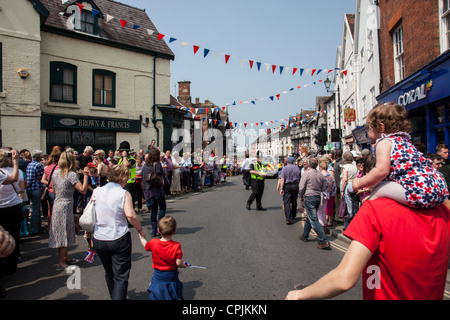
(88, 218)
(45, 193)
(155, 179)
(343, 212)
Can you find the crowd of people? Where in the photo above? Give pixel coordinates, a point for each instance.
(57, 187)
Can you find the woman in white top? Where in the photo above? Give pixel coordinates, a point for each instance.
(11, 209)
(348, 173)
(112, 239)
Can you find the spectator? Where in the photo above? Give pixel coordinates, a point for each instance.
(328, 194)
(154, 195)
(442, 150)
(289, 180)
(62, 226)
(35, 171)
(348, 173)
(312, 184)
(112, 239)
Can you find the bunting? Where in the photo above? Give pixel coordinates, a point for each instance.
(269, 66)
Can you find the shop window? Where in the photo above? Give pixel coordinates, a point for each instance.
(58, 138)
(63, 82)
(104, 88)
(399, 57)
(445, 24)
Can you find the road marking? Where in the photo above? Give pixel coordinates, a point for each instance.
(339, 247)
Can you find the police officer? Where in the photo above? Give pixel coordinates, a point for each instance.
(129, 161)
(257, 183)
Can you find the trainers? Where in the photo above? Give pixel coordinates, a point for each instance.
(325, 245)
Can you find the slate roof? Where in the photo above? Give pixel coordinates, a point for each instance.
(111, 33)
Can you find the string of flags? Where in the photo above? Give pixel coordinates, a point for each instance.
(292, 120)
(252, 63)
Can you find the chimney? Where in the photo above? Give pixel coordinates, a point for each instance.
(184, 93)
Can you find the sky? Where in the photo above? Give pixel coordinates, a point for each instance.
(289, 33)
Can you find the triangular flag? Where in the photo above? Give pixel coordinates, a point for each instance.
(318, 71)
(314, 70)
(227, 57)
(258, 64)
(135, 26)
(253, 102)
(273, 68)
(160, 36)
(281, 69)
(150, 32)
(80, 6)
(184, 44)
(301, 71)
(271, 98)
(245, 124)
(344, 72)
(123, 23)
(109, 18)
(172, 40)
(294, 71)
(95, 12)
(251, 63)
(278, 96)
(205, 52)
(64, 1)
(196, 48)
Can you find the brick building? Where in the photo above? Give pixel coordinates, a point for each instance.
(415, 64)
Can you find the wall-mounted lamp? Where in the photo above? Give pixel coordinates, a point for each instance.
(147, 121)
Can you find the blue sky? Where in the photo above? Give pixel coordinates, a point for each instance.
(289, 33)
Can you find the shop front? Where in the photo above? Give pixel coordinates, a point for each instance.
(426, 96)
(79, 132)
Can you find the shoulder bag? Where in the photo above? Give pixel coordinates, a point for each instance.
(45, 193)
(88, 218)
(155, 179)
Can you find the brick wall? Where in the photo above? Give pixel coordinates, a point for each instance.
(420, 21)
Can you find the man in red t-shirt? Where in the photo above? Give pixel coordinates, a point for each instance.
(401, 252)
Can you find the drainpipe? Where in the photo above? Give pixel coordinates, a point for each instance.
(377, 3)
(154, 120)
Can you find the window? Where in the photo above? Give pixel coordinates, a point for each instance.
(63, 82)
(104, 88)
(399, 57)
(88, 22)
(445, 25)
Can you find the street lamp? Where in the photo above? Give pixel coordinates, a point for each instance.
(327, 83)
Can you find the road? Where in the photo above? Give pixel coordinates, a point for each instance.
(248, 255)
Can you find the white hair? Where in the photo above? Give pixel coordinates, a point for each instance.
(88, 149)
(36, 155)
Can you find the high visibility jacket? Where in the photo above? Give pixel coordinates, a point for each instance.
(257, 167)
(132, 169)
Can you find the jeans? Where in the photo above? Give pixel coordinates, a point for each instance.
(312, 203)
(116, 259)
(153, 204)
(35, 219)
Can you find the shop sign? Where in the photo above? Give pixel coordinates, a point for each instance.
(349, 115)
(87, 123)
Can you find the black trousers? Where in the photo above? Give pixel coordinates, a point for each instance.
(290, 198)
(10, 220)
(116, 259)
(246, 178)
(257, 192)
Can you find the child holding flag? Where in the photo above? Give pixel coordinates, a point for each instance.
(166, 256)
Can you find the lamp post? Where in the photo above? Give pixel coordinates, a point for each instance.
(337, 104)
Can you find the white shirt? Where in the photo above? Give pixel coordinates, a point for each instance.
(111, 221)
(8, 196)
(246, 164)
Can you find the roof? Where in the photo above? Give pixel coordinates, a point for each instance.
(111, 33)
